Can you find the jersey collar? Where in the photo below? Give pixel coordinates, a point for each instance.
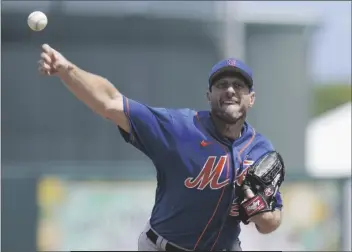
(207, 122)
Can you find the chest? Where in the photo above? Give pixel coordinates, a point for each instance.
(208, 164)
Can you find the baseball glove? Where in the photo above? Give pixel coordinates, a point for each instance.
(264, 178)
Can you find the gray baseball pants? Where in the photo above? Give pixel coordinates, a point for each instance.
(144, 244)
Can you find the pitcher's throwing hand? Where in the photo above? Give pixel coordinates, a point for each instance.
(52, 62)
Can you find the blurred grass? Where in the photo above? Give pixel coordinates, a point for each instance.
(330, 96)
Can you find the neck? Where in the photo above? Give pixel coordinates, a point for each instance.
(232, 131)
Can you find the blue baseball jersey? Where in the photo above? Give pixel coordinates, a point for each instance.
(195, 206)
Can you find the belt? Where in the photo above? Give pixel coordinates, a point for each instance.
(153, 237)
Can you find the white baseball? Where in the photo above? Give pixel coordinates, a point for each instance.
(37, 21)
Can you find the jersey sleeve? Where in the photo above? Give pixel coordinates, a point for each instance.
(150, 127)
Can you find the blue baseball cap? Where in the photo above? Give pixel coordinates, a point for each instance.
(229, 66)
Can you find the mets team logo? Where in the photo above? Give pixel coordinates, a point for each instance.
(231, 62)
(209, 175)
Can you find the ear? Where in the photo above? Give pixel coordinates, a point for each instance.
(208, 96)
(252, 99)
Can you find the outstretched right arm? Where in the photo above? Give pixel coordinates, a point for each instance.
(147, 128)
(95, 91)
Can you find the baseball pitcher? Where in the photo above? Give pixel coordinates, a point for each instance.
(214, 170)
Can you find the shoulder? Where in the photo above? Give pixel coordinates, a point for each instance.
(263, 142)
(175, 113)
(182, 114)
(161, 113)
(179, 118)
(261, 146)
(185, 113)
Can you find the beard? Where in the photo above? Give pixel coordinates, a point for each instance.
(229, 116)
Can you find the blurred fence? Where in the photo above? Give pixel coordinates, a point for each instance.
(109, 214)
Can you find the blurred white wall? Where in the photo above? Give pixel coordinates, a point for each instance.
(328, 143)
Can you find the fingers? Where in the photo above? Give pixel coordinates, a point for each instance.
(43, 71)
(51, 62)
(44, 65)
(44, 68)
(57, 64)
(248, 193)
(46, 48)
(47, 60)
(45, 57)
(49, 50)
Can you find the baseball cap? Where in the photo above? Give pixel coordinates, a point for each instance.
(231, 65)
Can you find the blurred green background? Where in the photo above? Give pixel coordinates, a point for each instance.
(328, 96)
